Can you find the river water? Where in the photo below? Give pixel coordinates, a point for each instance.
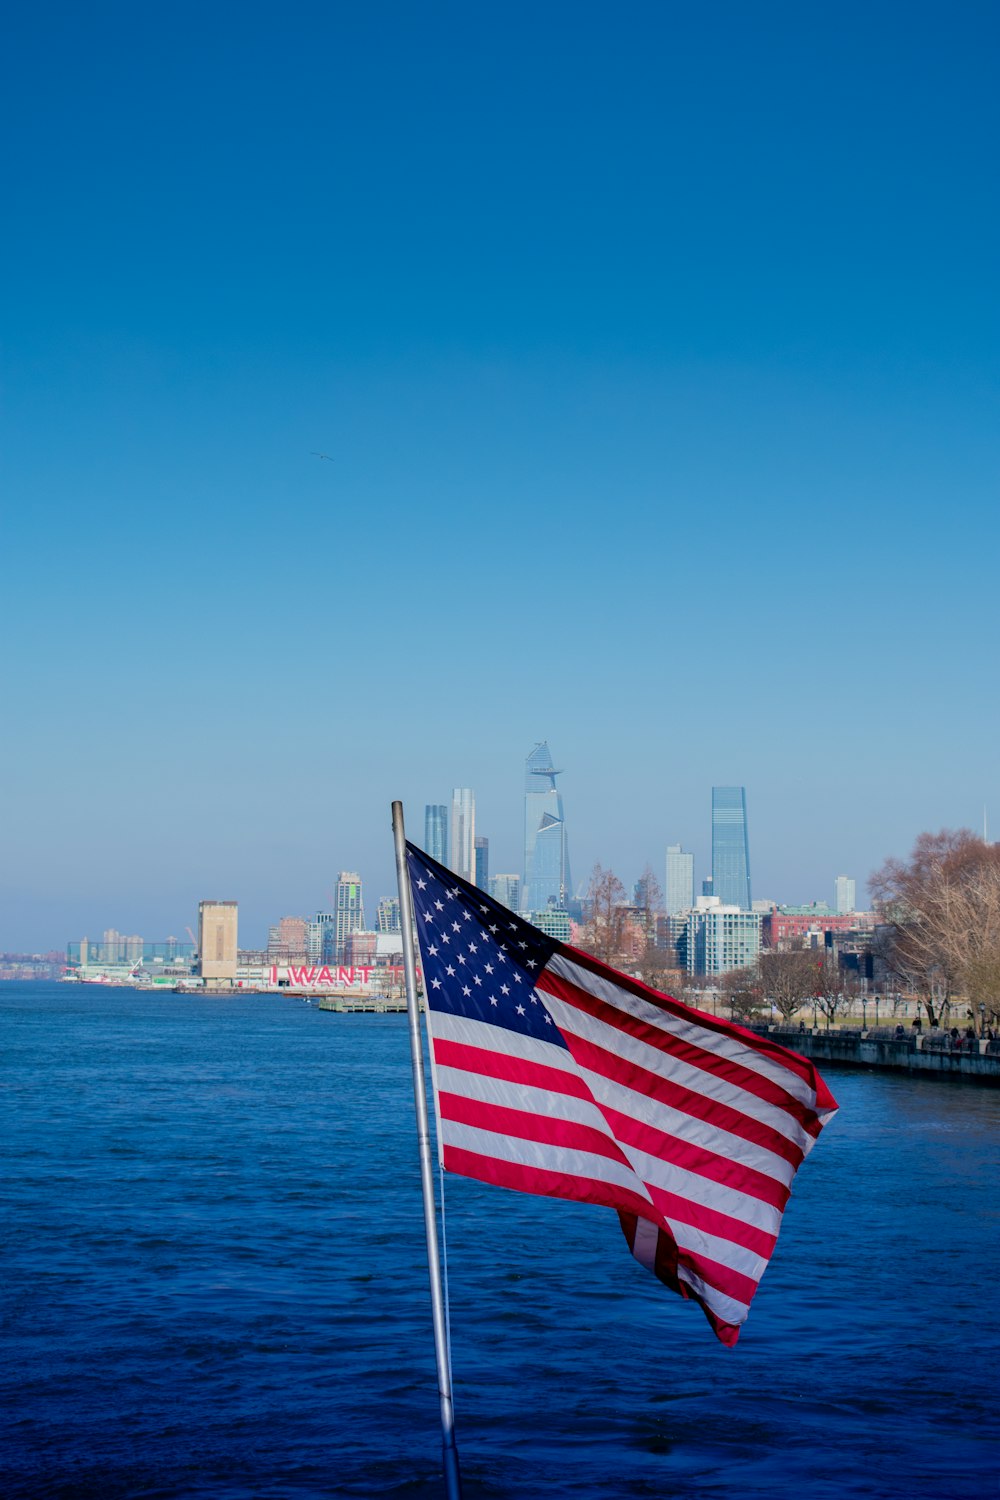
(213, 1284)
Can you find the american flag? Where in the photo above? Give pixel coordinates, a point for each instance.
(554, 1074)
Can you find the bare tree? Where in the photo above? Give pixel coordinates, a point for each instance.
(741, 988)
(788, 979)
(604, 933)
(941, 910)
(833, 988)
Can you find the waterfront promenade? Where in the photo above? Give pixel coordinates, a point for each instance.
(928, 1053)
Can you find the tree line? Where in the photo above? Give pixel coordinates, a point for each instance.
(938, 938)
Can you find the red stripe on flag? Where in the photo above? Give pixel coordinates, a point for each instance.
(471, 1059)
(525, 1125)
(704, 1058)
(713, 1221)
(708, 1164)
(652, 1085)
(781, 1055)
(543, 1181)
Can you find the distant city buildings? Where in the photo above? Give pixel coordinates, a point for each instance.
(288, 940)
(845, 894)
(217, 934)
(507, 890)
(807, 926)
(679, 888)
(546, 855)
(349, 910)
(730, 847)
(554, 923)
(482, 847)
(387, 915)
(436, 832)
(463, 834)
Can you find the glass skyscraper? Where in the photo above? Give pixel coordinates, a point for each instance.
(730, 847)
(482, 863)
(463, 833)
(546, 857)
(436, 831)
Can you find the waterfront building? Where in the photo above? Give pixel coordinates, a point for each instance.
(463, 834)
(730, 847)
(436, 831)
(719, 938)
(546, 854)
(387, 914)
(217, 925)
(507, 890)
(679, 888)
(349, 910)
(845, 894)
(482, 847)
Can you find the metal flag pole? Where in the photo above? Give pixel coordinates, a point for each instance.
(452, 1478)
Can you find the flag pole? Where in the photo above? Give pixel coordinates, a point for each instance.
(452, 1478)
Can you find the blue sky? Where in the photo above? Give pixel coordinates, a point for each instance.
(655, 350)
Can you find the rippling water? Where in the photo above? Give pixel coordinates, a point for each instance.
(214, 1285)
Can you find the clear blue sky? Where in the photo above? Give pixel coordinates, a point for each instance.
(655, 350)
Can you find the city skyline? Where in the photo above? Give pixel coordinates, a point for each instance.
(729, 846)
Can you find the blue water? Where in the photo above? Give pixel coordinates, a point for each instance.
(213, 1284)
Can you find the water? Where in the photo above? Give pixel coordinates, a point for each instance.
(214, 1285)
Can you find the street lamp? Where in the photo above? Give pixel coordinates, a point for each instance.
(864, 1011)
(982, 1018)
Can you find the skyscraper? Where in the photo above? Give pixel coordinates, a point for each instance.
(482, 863)
(679, 889)
(546, 855)
(436, 831)
(507, 890)
(730, 847)
(463, 834)
(349, 909)
(846, 894)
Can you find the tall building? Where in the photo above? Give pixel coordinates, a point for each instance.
(463, 834)
(730, 847)
(436, 831)
(507, 890)
(846, 894)
(387, 914)
(321, 937)
(217, 939)
(720, 938)
(349, 910)
(679, 889)
(482, 863)
(546, 853)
